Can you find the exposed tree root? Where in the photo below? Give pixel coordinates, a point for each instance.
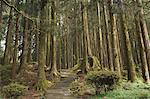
(43, 85)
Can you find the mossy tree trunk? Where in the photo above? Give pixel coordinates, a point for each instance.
(130, 63)
(42, 83)
(54, 73)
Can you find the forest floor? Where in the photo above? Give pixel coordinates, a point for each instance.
(61, 89)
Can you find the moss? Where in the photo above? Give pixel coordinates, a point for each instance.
(96, 63)
(103, 80)
(14, 90)
(43, 85)
(93, 64)
(5, 74)
(81, 88)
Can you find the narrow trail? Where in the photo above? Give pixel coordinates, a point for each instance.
(61, 89)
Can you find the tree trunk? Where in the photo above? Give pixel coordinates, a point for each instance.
(42, 83)
(100, 36)
(9, 40)
(144, 65)
(1, 13)
(54, 73)
(23, 61)
(15, 56)
(85, 26)
(114, 38)
(145, 33)
(130, 64)
(85, 48)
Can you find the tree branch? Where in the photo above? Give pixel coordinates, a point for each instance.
(20, 12)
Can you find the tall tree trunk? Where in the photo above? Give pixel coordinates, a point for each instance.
(85, 26)
(145, 33)
(144, 65)
(9, 40)
(29, 54)
(108, 37)
(42, 83)
(131, 64)
(114, 38)
(1, 13)
(85, 49)
(23, 61)
(100, 36)
(15, 56)
(54, 73)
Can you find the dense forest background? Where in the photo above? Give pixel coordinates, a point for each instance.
(47, 36)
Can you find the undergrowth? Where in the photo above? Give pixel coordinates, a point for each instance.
(128, 90)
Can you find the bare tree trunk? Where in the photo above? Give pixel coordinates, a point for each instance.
(1, 13)
(108, 37)
(144, 65)
(145, 33)
(131, 64)
(114, 38)
(85, 49)
(86, 28)
(54, 73)
(100, 36)
(15, 56)
(23, 62)
(9, 40)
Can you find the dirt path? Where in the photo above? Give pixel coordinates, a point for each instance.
(61, 89)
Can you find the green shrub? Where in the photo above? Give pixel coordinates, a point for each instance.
(103, 80)
(14, 90)
(81, 88)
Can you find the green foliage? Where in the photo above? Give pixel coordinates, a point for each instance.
(81, 88)
(14, 90)
(103, 79)
(127, 91)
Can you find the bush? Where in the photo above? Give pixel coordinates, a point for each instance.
(103, 80)
(81, 88)
(14, 90)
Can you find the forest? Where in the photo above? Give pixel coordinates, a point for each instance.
(74, 49)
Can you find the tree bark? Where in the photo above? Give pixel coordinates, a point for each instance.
(114, 38)
(144, 65)
(9, 40)
(23, 61)
(145, 33)
(15, 56)
(130, 64)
